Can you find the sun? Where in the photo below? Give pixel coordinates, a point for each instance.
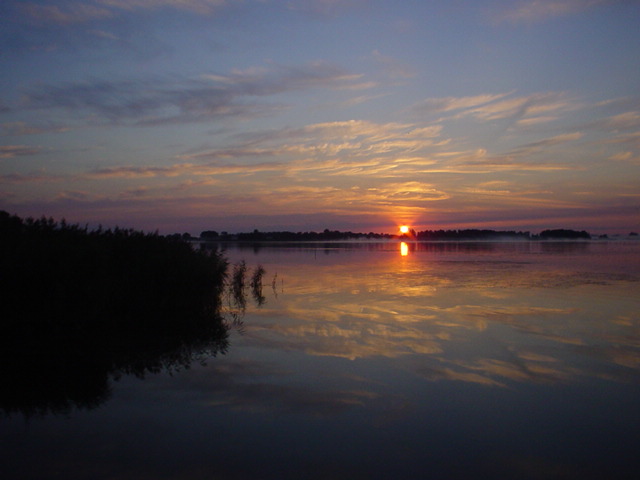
(404, 229)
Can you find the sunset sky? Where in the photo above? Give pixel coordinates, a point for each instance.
(191, 115)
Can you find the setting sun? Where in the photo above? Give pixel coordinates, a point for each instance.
(404, 229)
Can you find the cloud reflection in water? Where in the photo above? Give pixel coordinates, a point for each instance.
(489, 316)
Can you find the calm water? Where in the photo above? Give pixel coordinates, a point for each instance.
(384, 361)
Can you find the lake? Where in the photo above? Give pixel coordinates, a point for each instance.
(377, 361)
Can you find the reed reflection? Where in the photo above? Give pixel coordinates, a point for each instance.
(83, 308)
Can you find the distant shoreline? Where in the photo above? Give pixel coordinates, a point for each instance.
(429, 236)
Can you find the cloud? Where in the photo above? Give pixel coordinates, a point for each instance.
(530, 11)
(300, 185)
(198, 6)
(541, 199)
(625, 157)
(382, 198)
(627, 122)
(360, 100)
(349, 185)
(142, 102)
(622, 121)
(104, 35)
(521, 111)
(479, 162)
(324, 161)
(173, 210)
(325, 8)
(177, 170)
(11, 151)
(524, 123)
(210, 97)
(393, 67)
(34, 177)
(68, 13)
(21, 128)
(534, 147)
(75, 195)
(344, 168)
(366, 134)
(447, 104)
(523, 107)
(343, 139)
(631, 138)
(411, 192)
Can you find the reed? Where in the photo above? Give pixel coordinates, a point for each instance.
(92, 305)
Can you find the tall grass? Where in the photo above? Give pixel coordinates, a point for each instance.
(256, 284)
(237, 294)
(90, 305)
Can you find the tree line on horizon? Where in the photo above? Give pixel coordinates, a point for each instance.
(325, 235)
(426, 235)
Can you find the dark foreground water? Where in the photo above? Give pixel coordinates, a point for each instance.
(428, 361)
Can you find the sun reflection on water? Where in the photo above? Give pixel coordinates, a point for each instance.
(404, 249)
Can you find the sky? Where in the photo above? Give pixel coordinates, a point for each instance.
(301, 115)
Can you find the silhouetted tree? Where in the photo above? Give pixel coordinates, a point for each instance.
(560, 234)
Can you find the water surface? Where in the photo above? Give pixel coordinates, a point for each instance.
(376, 361)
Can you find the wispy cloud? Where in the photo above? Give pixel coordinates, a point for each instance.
(529, 11)
(625, 157)
(198, 6)
(22, 128)
(351, 138)
(104, 35)
(66, 13)
(447, 104)
(393, 67)
(179, 170)
(210, 97)
(622, 121)
(33, 177)
(342, 154)
(631, 139)
(70, 12)
(620, 128)
(540, 145)
(10, 151)
(77, 12)
(325, 8)
(523, 107)
(522, 111)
